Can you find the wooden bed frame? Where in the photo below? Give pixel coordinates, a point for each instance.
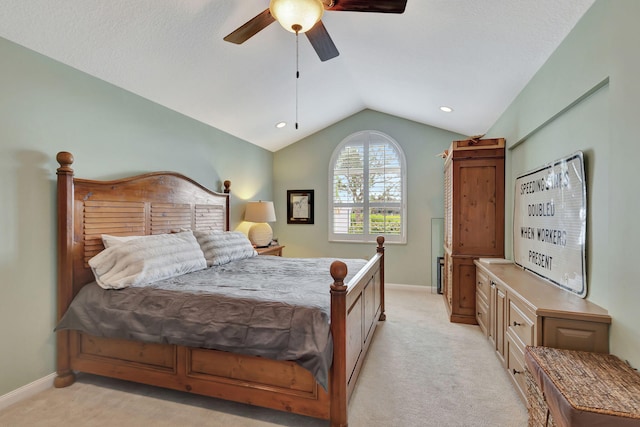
(163, 202)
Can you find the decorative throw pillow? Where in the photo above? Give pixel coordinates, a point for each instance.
(221, 247)
(147, 259)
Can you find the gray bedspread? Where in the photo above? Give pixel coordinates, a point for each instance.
(264, 306)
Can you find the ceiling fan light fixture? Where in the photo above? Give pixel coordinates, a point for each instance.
(300, 14)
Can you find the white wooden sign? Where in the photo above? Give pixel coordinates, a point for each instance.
(550, 223)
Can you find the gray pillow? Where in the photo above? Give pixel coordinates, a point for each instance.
(221, 247)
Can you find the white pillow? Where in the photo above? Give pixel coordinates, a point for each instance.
(221, 247)
(109, 240)
(147, 259)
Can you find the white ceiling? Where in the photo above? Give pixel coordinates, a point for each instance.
(473, 55)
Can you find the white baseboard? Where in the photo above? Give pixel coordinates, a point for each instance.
(27, 391)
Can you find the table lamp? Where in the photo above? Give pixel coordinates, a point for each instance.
(260, 213)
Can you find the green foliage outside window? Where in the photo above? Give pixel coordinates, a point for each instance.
(380, 224)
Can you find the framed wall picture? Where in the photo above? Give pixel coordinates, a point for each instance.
(299, 206)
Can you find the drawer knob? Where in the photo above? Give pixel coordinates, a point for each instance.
(516, 323)
(515, 372)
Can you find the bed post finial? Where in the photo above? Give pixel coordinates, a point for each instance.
(338, 272)
(66, 160)
(227, 186)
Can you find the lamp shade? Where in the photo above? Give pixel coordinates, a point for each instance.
(260, 212)
(291, 13)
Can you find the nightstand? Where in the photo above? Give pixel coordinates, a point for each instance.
(275, 250)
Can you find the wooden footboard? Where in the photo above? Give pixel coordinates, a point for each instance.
(355, 310)
(156, 203)
(280, 385)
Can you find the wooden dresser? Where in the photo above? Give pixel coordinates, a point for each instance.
(516, 308)
(474, 219)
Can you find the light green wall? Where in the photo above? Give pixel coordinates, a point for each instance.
(46, 107)
(305, 165)
(586, 98)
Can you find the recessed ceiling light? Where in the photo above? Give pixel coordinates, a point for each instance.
(280, 125)
(446, 109)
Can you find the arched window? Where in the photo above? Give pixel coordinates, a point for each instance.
(367, 189)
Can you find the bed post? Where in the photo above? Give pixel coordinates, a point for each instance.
(65, 264)
(227, 190)
(380, 250)
(338, 378)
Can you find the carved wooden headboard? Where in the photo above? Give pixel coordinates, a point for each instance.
(153, 203)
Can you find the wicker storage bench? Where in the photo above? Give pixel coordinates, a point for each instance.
(578, 388)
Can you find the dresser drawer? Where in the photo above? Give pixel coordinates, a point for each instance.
(515, 366)
(575, 334)
(482, 313)
(483, 284)
(521, 324)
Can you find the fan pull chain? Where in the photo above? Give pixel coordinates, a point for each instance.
(297, 70)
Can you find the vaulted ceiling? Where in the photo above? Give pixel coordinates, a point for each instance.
(472, 55)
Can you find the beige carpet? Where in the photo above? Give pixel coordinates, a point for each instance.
(420, 371)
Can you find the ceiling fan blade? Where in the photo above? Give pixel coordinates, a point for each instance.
(251, 27)
(379, 6)
(321, 42)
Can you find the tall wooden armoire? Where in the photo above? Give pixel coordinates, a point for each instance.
(473, 219)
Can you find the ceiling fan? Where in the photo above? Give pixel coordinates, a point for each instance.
(303, 16)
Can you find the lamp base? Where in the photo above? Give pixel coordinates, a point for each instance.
(260, 234)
